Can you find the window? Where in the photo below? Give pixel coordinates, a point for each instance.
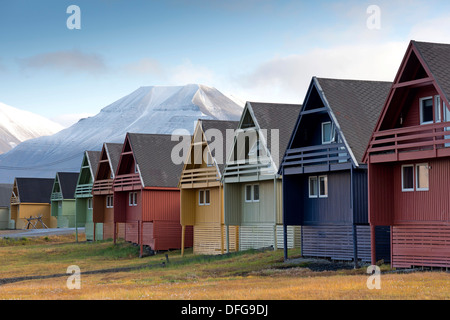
(256, 192)
(328, 132)
(312, 182)
(132, 199)
(437, 108)
(426, 110)
(248, 193)
(109, 202)
(252, 193)
(204, 198)
(59, 204)
(408, 177)
(89, 204)
(422, 180)
(323, 186)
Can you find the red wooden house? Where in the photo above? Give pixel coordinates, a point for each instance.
(408, 160)
(146, 194)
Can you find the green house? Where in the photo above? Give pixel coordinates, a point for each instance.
(63, 200)
(83, 196)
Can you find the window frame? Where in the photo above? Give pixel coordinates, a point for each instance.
(253, 193)
(316, 191)
(109, 201)
(332, 135)
(132, 199)
(90, 204)
(416, 175)
(246, 193)
(421, 100)
(202, 197)
(326, 186)
(437, 109)
(402, 177)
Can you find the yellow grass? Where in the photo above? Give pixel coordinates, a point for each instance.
(254, 275)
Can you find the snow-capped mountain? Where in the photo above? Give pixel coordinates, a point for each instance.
(18, 125)
(155, 109)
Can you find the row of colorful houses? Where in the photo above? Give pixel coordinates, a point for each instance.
(360, 171)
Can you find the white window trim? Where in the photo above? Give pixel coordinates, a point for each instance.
(323, 123)
(309, 187)
(90, 204)
(437, 109)
(109, 202)
(417, 177)
(408, 189)
(318, 186)
(132, 199)
(420, 109)
(253, 193)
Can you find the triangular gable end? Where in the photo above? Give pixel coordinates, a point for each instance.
(85, 175)
(412, 73)
(315, 102)
(127, 161)
(104, 168)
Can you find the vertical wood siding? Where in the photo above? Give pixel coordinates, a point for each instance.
(424, 206)
(160, 205)
(360, 194)
(381, 194)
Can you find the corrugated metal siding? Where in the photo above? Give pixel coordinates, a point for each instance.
(261, 236)
(208, 237)
(420, 245)
(333, 209)
(381, 194)
(360, 193)
(432, 205)
(160, 205)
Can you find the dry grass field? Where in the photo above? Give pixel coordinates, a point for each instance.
(36, 268)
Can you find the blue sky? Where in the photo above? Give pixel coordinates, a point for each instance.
(260, 50)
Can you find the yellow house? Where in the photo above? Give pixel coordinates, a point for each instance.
(31, 198)
(201, 190)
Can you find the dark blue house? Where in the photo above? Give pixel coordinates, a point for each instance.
(324, 178)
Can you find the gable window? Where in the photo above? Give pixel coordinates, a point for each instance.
(132, 199)
(109, 202)
(204, 198)
(89, 204)
(437, 108)
(328, 132)
(323, 186)
(422, 179)
(408, 177)
(252, 193)
(426, 110)
(312, 183)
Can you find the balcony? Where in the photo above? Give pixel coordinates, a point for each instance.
(101, 187)
(249, 170)
(200, 178)
(410, 143)
(14, 200)
(56, 196)
(320, 158)
(127, 182)
(83, 190)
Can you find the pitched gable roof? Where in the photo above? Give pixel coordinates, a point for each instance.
(222, 126)
(5, 194)
(34, 190)
(356, 105)
(437, 57)
(93, 159)
(152, 153)
(68, 183)
(275, 116)
(113, 150)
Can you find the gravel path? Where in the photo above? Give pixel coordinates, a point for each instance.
(38, 232)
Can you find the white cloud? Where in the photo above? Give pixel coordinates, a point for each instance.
(187, 72)
(145, 66)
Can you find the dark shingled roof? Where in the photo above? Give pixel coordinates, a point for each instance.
(94, 158)
(276, 116)
(437, 58)
(68, 183)
(5, 194)
(356, 104)
(34, 190)
(114, 150)
(152, 153)
(222, 126)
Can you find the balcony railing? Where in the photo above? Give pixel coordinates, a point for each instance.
(410, 143)
(203, 176)
(14, 200)
(127, 181)
(250, 168)
(102, 186)
(83, 190)
(322, 157)
(56, 196)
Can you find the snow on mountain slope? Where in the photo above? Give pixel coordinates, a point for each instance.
(18, 125)
(155, 109)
